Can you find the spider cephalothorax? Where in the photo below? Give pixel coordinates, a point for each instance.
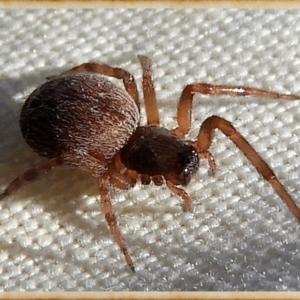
(154, 151)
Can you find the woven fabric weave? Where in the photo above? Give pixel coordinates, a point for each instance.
(239, 235)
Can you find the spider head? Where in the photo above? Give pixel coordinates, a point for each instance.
(187, 163)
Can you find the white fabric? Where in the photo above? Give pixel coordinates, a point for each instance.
(239, 236)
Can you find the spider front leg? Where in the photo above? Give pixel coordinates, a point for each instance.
(204, 141)
(184, 109)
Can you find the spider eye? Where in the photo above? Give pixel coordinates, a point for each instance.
(187, 175)
(190, 165)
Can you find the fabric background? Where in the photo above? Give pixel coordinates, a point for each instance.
(239, 235)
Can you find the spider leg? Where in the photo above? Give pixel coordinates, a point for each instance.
(181, 193)
(121, 177)
(184, 108)
(211, 161)
(205, 139)
(124, 181)
(128, 79)
(149, 92)
(145, 179)
(111, 218)
(30, 174)
(157, 180)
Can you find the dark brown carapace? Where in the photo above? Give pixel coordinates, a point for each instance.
(81, 119)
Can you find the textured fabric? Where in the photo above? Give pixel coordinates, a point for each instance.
(239, 235)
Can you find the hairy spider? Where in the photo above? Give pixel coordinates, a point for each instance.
(81, 119)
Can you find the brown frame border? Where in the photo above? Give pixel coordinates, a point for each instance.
(264, 4)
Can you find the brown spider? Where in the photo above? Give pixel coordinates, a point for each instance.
(83, 120)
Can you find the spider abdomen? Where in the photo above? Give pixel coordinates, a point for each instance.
(83, 118)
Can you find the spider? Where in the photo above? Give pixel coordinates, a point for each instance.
(81, 119)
